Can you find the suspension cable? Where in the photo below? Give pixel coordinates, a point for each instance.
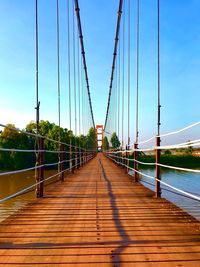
(137, 71)
(69, 66)
(129, 65)
(123, 72)
(79, 89)
(74, 63)
(114, 58)
(82, 98)
(37, 141)
(36, 58)
(58, 80)
(158, 41)
(115, 99)
(58, 64)
(119, 87)
(77, 9)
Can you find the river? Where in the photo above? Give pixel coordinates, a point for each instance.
(10, 184)
(186, 181)
(189, 182)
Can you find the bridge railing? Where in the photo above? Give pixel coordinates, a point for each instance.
(124, 156)
(67, 159)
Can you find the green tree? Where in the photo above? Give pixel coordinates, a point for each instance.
(167, 152)
(105, 143)
(92, 139)
(18, 140)
(14, 139)
(115, 141)
(189, 150)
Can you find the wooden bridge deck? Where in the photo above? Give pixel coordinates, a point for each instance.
(100, 220)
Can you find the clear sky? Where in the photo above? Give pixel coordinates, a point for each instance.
(180, 60)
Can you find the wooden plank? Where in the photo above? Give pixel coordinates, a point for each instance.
(92, 220)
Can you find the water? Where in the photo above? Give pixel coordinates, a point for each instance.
(186, 181)
(10, 184)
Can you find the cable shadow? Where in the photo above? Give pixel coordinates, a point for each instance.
(125, 239)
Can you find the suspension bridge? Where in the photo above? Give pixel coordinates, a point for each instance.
(92, 206)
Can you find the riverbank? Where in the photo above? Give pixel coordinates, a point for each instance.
(185, 161)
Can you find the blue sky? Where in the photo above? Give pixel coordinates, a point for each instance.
(180, 61)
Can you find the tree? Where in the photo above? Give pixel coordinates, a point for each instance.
(115, 141)
(12, 138)
(92, 139)
(167, 152)
(189, 149)
(105, 143)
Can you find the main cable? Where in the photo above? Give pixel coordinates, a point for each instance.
(77, 9)
(114, 58)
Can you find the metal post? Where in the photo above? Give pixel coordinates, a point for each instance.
(126, 160)
(80, 157)
(86, 156)
(123, 161)
(135, 163)
(62, 163)
(83, 153)
(158, 176)
(73, 160)
(118, 156)
(40, 171)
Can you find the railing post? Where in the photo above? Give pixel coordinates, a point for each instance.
(126, 160)
(80, 157)
(62, 162)
(135, 163)
(118, 155)
(73, 159)
(86, 156)
(40, 171)
(158, 177)
(123, 161)
(120, 159)
(70, 158)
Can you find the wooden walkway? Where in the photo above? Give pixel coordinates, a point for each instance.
(100, 219)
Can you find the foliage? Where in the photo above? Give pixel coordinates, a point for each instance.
(167, 152)
(92, 139)
(17, 140)
(105, 143)
(183, 160)
(115, 141)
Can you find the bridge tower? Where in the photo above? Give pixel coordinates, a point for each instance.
(99, 129)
